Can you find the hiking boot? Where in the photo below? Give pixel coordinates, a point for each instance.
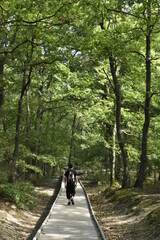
(72, 201)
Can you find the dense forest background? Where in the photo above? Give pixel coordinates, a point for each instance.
(80, 82)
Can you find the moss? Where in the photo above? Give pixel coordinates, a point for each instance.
(152, 222)
(109, 192)
(121, 195)
(151, 188)
(147, 202)
(127, 200)
(154, 218)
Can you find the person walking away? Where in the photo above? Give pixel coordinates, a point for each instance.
(71, 180)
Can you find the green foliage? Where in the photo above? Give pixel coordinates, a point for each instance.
(3, 176)
(21, 194)
(48, 159)
(23, 167)
(95, 172)
(67, 46)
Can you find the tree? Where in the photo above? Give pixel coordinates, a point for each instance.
(150, 24)
(126, 178)
(74, 70)
(112, 52)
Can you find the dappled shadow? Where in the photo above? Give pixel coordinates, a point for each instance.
(70, 222)
(56, 183)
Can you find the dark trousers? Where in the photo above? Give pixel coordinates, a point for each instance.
(70, 190)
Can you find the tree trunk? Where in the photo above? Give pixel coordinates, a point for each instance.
(16, 146)
(114, 154)
(38, 126)
(155, 175)
(27, 117)
(143, 164)
(2, 61)
(4, 126)
(126, 177)
(72, 138)
(118, 168)
(38, 129)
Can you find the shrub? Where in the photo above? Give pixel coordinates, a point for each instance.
(21, 193)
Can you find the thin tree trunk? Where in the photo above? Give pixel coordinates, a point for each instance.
(155, 175)
(111, 166)
(109, 132)
(15, 153)
(27, 118)
(1, 82)
(28, 111)
(143, 164)
(16, 147)
(4, 126)
(114, 154)
(118, 168)
(38, 126)
(126, 177)
(38, 129)
(72, 138)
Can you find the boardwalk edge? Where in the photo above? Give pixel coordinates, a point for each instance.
(92, 213)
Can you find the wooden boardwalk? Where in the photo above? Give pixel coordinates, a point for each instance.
(70, 222)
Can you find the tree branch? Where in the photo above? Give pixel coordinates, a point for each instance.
(11, 51)
(2, 8)
(35, 21)
(108, 78)
(123, 12)
(44, 18)
(154, 59)
(43, 62)
(140, 54)
(155, 93)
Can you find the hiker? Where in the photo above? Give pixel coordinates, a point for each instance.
(70, 181)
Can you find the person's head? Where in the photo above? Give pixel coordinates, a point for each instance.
(70, 165)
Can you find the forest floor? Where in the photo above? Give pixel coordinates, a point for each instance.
(122, 214)
(126, 214)
(18, 224)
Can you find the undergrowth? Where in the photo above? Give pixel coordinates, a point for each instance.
(20, 193)
(154, 219)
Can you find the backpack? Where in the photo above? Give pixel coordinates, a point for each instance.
(71, 177)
